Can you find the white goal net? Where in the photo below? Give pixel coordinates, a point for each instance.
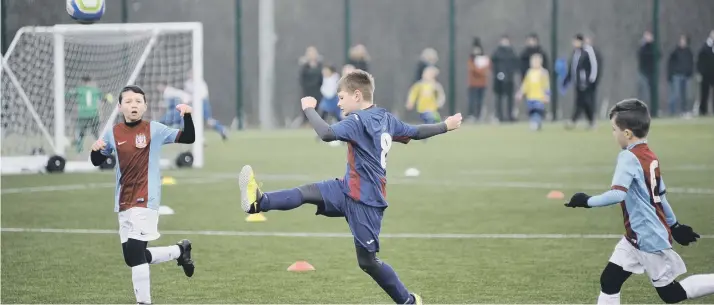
(60, 88)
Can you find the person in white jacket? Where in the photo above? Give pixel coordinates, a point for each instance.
(328, 104)
(202, 92)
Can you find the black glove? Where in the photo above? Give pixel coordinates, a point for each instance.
(683, 234)
(579, 200)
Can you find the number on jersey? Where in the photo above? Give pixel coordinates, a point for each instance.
(386, 142)
(653, 182)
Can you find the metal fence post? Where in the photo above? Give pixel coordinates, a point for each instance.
(554, 92)
(239, 63)
(654, 91)
(347, 28)
(452, 57)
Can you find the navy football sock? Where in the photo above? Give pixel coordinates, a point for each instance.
(282, 200)
(389, 281)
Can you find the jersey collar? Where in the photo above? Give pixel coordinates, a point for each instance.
(132, 124)
(631, 146)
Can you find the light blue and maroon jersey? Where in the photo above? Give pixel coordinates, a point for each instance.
(369, 134)
(138, 152)
(646, 213)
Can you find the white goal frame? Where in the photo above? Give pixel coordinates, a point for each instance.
(57, 138)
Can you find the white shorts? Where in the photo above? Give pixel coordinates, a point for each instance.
(139, 223)
(662, 267)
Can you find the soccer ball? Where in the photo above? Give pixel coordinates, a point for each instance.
(86, 11)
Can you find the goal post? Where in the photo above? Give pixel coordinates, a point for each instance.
(44, 68)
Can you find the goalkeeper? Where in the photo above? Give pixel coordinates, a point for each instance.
(88, 97)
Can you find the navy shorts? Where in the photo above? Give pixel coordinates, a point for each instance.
(364, 221)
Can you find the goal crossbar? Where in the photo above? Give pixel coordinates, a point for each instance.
(57, 141)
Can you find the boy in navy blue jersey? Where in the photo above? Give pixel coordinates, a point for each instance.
(359, 197)
(650, 223)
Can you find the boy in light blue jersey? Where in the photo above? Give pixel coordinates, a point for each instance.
(650, 223)
(137, 143)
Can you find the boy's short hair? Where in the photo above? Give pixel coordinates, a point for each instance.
(358, 80)
(632, 114)
(132, 88)
(86, 78)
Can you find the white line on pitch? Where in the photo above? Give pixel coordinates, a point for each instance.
(325, 235)
(575, 170)
(217, 178)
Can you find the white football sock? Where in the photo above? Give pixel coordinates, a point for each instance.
(164, 254)
(698, 285)
(608, 299)
(142, 283)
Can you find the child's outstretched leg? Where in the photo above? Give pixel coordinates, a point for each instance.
(253, 200)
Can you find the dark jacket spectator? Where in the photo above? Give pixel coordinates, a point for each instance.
(311, 73)
(583, 67)
(583, 72)
(505, 65)
(359, 58)
(532, 47)
(647, 59)
(598, 58)
(647, 55)
(680, 67)
(680, 62)
(705, 58)
(705, 66)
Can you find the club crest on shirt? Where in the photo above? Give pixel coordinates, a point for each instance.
(140, 140)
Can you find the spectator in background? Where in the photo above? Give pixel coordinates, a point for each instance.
(429, 57)
(203, 97)
(359, 58)
(598, 58)
(532, 47)
(646, 56)
(536, 89)
(428, 96)
(311, 74)
(505, 65)
(705, 65)
(478, 67)
(680, 67)
(583, 72)
(328, 105)
(347, 69)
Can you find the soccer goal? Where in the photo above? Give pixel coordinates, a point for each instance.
(45, 124)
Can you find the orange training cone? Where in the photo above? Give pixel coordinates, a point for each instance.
(556, 195)
(301, 266)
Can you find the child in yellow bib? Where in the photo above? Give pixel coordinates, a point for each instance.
(428, 96)
(536, 89)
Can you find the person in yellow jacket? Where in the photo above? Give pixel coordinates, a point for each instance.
(427, 95)
(536, 90)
